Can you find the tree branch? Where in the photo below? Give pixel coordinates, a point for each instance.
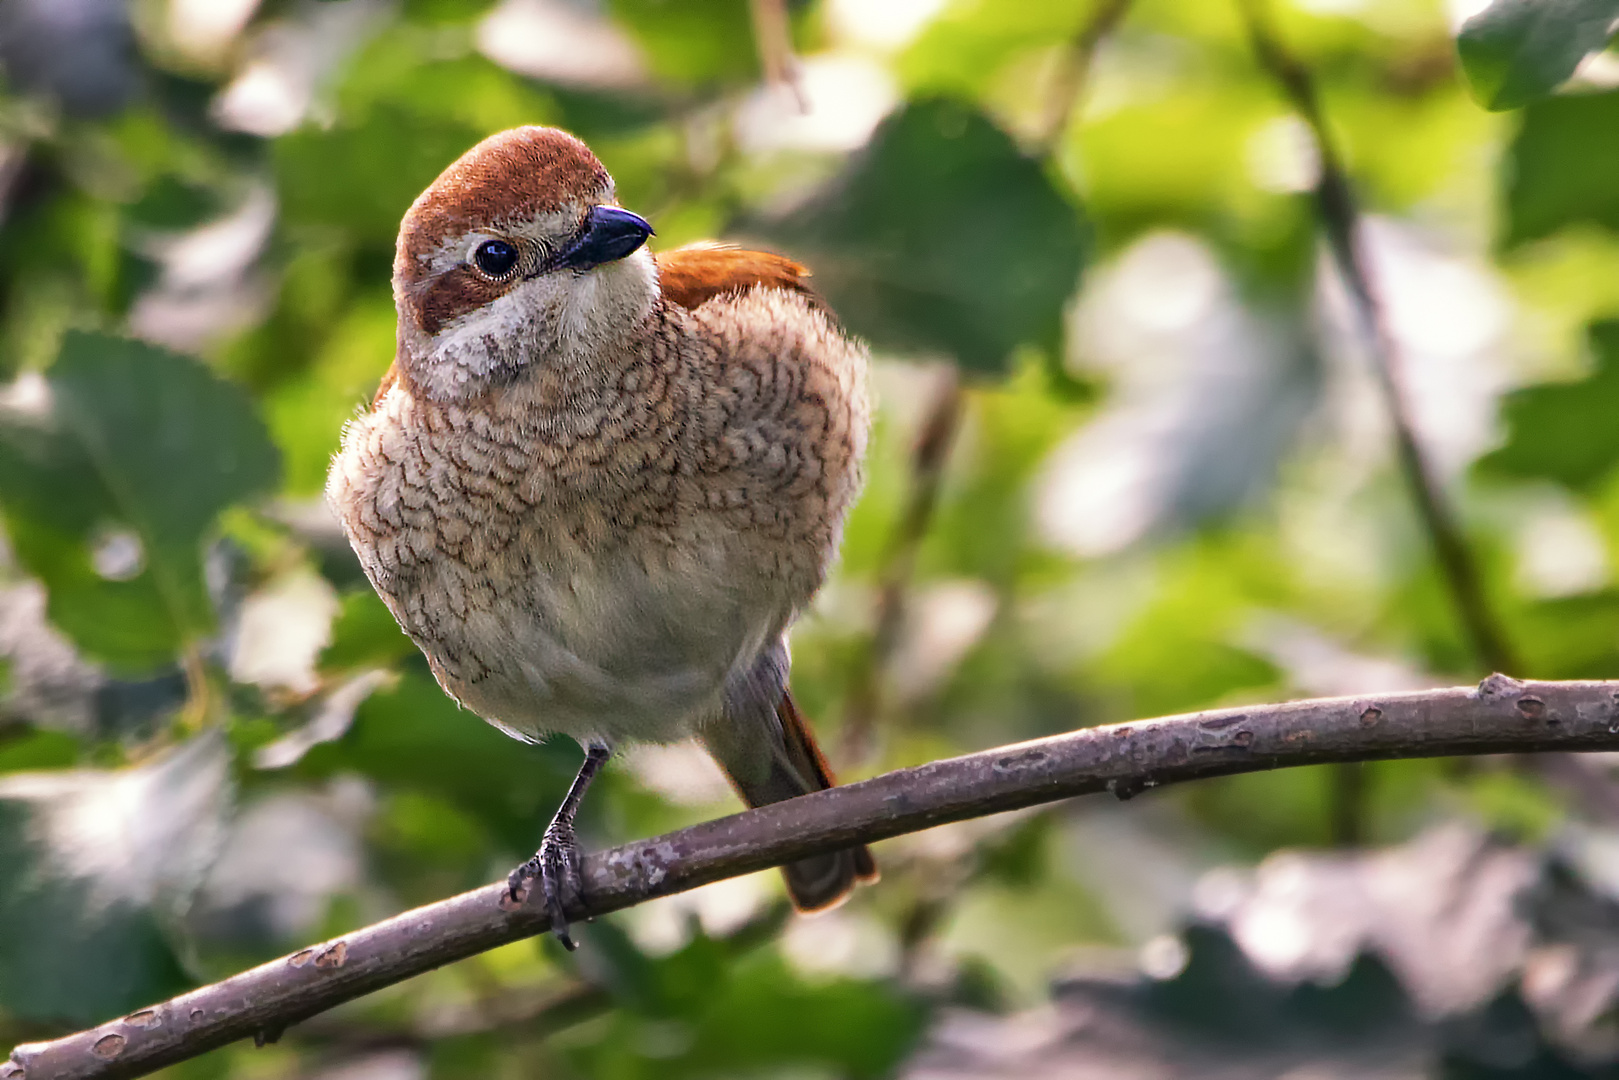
(1501, 715)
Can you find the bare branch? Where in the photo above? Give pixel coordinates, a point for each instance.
(773, 37)
(1501, 715)
(1068, 85)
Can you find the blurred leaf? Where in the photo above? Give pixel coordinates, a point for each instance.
(360, 179)
(137, 454)
(1017, 857)
(413, 737)
(1191, 171)
(170, 203)
(404, 70)
(765, 1016)
(941, 236)
(1220, 993)
(677, 985)
(40, 749)
(1265, 810)
(445, 11)
(1563, 167)
(364, 634)
(93, 866)
(1570, 637)
(1564, 431)
(967, 49)
(306, 412)
(693, 41)
(702, 1013)
(1516, 51)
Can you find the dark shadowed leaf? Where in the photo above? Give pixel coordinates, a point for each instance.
(943, 237)
(766, 1016)
(111, 489)
(1563, 167)
(719, 1012)
(1516, 51)
(1565, 431)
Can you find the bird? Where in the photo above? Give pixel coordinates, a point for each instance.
(597, 486)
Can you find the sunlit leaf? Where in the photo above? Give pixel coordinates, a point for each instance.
(943, 237)
(1516, 51)
(94, 867)
(966, 49)
(110, 491)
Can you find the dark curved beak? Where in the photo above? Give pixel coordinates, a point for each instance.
(609, 235)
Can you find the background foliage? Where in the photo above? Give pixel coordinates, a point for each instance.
(1130, 460)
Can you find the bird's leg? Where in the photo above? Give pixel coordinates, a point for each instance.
(556, 864)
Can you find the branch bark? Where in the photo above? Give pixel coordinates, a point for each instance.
(1500, 715)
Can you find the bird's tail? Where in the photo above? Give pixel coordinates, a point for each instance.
(797, 767)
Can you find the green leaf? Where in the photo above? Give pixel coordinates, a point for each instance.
(364, 634)
(133, 459)
(765, 1016)
(743, 1014)
(943, 237)
(413, 737)
(361, 179)
(693, 41)
(1563, 167)
(1518, 51)
(968, 47)
(1564, 431)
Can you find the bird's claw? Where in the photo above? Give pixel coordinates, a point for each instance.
(556, 865)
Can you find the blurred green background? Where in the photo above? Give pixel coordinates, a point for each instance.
(1130, 459)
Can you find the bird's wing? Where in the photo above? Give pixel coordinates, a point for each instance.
(389, 377)
(693, 275)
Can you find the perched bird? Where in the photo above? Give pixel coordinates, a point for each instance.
(597, 486)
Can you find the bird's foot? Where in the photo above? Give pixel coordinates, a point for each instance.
(556, 866)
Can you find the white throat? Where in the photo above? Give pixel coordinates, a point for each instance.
(560, 318)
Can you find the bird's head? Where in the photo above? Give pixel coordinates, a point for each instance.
(517, 255)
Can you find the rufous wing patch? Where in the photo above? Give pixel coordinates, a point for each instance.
(692, 276)
(389, 378)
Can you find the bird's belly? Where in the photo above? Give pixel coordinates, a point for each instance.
(612, 648)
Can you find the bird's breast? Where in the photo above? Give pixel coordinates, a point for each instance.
(559, 576)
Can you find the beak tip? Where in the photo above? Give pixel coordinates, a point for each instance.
(611, 234)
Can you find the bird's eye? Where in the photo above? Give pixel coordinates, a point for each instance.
(495, 258)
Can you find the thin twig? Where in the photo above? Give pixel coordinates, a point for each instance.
(773, 38)
(1074, 68)
(1501, 715)
(939, 426)
(1340, 222)
(929, 455)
